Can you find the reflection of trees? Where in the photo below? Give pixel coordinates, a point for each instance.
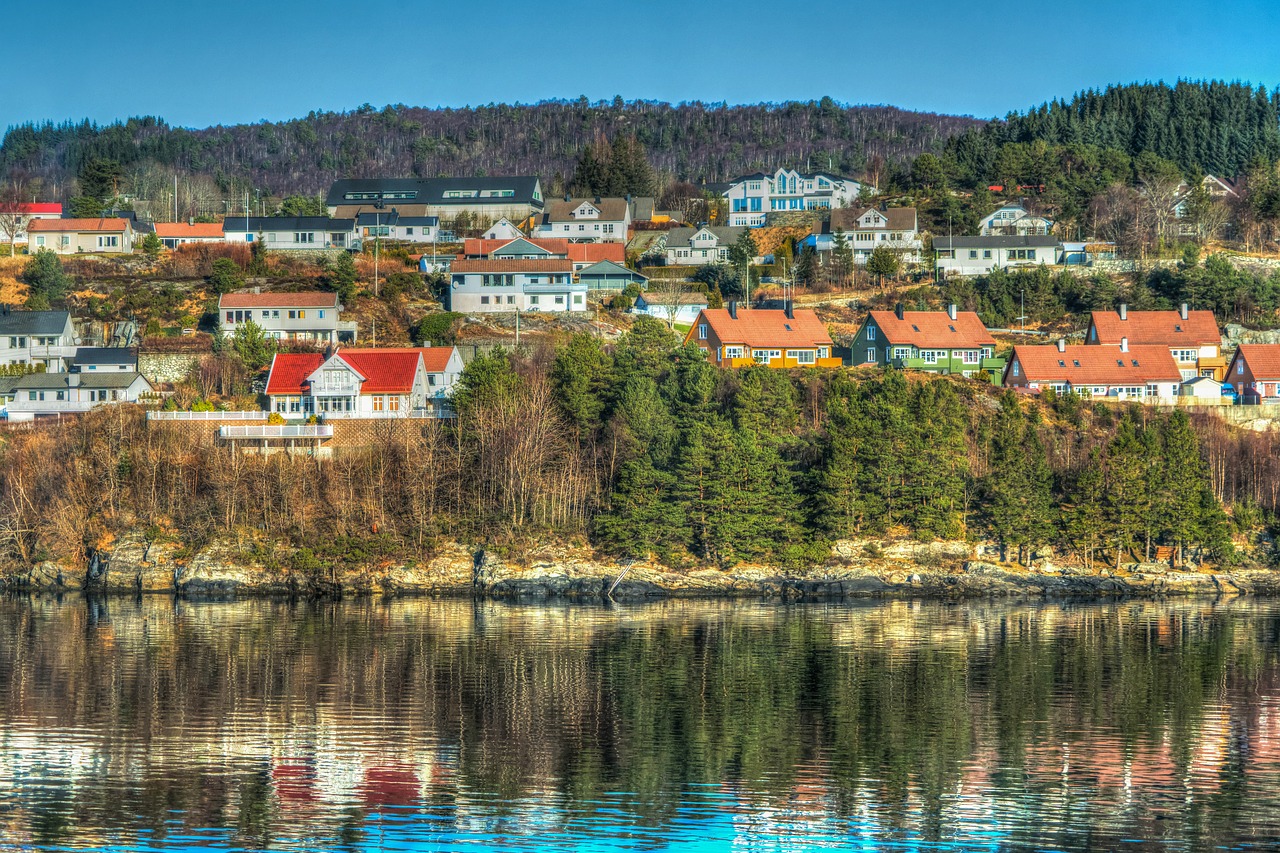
(1116, 716)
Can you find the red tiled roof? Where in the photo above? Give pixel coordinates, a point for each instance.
(1097, 365)
(434, 359)
(385, 371)
(930, 329)
(289, 371)
(514, 265)
(304, 299)
(1263, 360)
(101, 224)
(33, 208)
(766, 327)
(474, 246)
(1157, 327)
(590, 253)
(206, 230)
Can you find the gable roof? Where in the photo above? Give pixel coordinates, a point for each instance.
(1166, 328)
(474, 247)
(680, 238)
(42, 323)
(304, 299)
(289, 371)
(205, 230)
(1263, 360)
(100, 224)
(898, 218)
(763, 327)
(930, 329)
(33, 208)
(513, 265)
(1096, 365)
(106, 379)
(611, 209)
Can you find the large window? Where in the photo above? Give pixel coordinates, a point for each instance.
(304, 236)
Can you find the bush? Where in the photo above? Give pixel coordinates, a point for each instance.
(225, 276)
(275, 419)
(45, 276)
(439, 329)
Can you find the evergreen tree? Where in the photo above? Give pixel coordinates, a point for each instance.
(580, 375)
(45, 276)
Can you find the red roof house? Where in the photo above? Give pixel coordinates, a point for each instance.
(363, 382)
(1143, 373)
(1191, 336)
(737, 337)
(1255, 369)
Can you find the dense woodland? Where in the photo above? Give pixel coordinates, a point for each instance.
(643, 447)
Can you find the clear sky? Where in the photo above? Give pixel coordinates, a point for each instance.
(197, 62)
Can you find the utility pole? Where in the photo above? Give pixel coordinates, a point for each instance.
(377, 233)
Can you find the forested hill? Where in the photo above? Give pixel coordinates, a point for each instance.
(1202, 126)
(693, 141)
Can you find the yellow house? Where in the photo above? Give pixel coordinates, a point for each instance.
(738, 337)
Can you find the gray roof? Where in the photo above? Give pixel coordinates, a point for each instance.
(560, 210)
(678, 238)
(45, 381)
(105, 355)
(1012, 241)
(642, 208)
(609, 268)
(43, 323)
(286, 223)
(432, 190)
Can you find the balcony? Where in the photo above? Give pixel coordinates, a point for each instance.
(273, 432)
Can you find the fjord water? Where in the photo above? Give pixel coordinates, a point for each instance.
(452, 725)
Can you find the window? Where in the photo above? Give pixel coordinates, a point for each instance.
(871, 355)
(393, 403)
(31, 395)
(929, 356)
(266, 315)
(338, 239)
(1022, 254)
(275, 314)
(702, 331)
(533, 300)
(733, 352)
(969, 356)
(577, 299)
(804, 356)
(871, 333)
(902, 352)
(511, 299)
(304, 237)
(986, 254)
(1184, 355)
(559, 299)
(302, 315)
(973, 254)
(321, 313)
(764, 356)
(39, 241)
(377, 402)
(231, 318)
(1014, 368)
(108, 241)
(484, 300)
(408, 232)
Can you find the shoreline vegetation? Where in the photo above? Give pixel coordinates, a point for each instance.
(806, 483)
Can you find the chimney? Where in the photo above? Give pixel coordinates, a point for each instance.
(191, 220)
(790, 308)
(73, 380)
(597, 200)
(1124, 345)
(1062, 344)
(951, 311)
(898, 312)
(1183, 310)
(566, 195)
(1124, 311)
(733, 308)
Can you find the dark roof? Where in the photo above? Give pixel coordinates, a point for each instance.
(1012, 241)
(105, 355)
(43, 323)
(378, 217)
(560, 210)
(39, 381)
(286, 223)
(419, 220)
(896, 218)
(432, 190)
(680, 238)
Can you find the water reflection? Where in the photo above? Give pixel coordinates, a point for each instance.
(454, 725)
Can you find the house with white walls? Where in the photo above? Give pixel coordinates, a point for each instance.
(586, 220)
(752, 197)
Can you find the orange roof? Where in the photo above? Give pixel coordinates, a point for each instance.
(590, 253)
(1263, 360)
(385, 371)
(928, 329)
(1166, 328)
(434, 358)
(765, 327)
(100, 224)
(514, 265)
(289, 371)
(1097, 365)
(473, 246)
(203, 230)
(304, 299)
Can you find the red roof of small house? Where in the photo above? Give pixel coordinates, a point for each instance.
(473, 247)
(302, 299)
(760, 327)
(109, 224)
(385, 371)
(34, 208)
(1263, 360)
(1097, 365)
(1166, 328)
(199, 230)
(514, 265)
(933, 329)
(289, 371)
(591, 253)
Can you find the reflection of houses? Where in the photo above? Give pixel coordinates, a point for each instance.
(1144, 374)
(950, 341)
(363, 383)
(307, 316)
(1192, 337)
(736, 337)
(981, 255)
(1014, 220)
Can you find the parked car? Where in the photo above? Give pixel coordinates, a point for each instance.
(1229, 392)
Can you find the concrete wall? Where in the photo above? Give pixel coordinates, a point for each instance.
(167, 366)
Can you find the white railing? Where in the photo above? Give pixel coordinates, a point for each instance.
(272, 431)
(436, 412)
(207, 416)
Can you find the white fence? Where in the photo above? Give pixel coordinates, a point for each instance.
(271, 431)
(207, 416)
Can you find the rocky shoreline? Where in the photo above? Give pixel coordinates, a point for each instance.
(857, 570)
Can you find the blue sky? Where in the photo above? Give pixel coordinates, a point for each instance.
(197, 62)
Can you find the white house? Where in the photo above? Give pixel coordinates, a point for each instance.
(45, 394)
(24, 213)
(502, 230)
(390, 225)
(681, 308)
(696, 246)
(1013, 219)
(311, 315)
(106, 234)
(295, 233)
(175, 234)
(515, 284)
(585, 220)
(751, 197)
(36, 338)
(363, 383)
(868, 227)
(981, 255)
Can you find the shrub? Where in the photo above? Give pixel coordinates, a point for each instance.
(225, 276)
(440, 329)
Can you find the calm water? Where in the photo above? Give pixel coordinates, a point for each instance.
(425, 725)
